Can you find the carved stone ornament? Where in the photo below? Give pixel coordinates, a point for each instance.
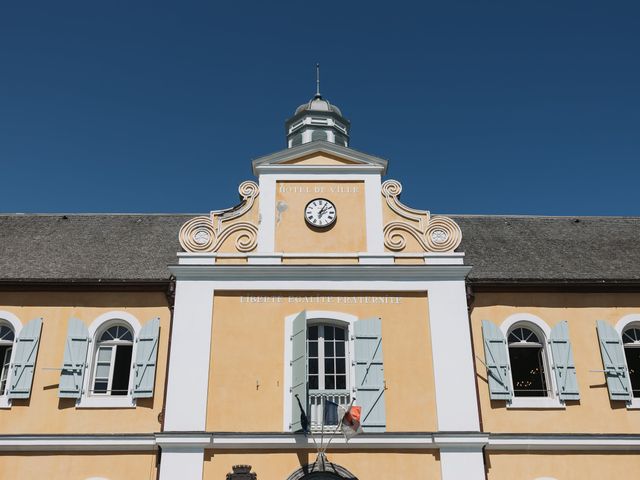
(241, 472)
(433, 234)
(208, 233)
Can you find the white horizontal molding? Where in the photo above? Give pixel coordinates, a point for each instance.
(563, 442)
(335, 171)
(134, 442)
(186, 440)
(372, 274)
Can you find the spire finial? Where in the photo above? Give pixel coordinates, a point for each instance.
(318, 81)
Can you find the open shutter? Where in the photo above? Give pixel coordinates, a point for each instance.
(614, 362)
(299, 403)
(146, 355)
(497, 362)
(563, 365)
(25, 360)
(75, 357)
(369, 379)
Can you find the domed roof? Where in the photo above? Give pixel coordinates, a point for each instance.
(318, 104)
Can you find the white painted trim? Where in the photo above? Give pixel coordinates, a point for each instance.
(77, 442)
(96, 327)
(564, 442)
(312, 315)
(319, 170)
(621, 324)
(267, 213)
(188, 375)
(182, 463)
(553, 401)
(373, 213)
(462, 463)
(455, 387)
(16, 325)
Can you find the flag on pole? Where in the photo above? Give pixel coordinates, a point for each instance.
(350, 424)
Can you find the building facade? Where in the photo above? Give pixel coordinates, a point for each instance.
(206, 346)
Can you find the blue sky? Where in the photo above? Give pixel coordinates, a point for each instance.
(481, 107)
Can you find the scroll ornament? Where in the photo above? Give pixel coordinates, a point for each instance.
(433, 233)
(207, 233)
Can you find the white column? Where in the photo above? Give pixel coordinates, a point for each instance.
(373, 202)
(267, 209)
(184, 463)
(456, 401)
(188, 382)
(462, 463)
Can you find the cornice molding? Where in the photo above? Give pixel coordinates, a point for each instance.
(316, 273)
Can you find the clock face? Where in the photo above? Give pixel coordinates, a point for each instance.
(320, 213)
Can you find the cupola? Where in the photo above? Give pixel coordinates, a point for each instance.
(317, 120)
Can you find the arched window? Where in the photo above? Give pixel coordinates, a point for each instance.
(327, 367)
(631, 344)
(112, 367)
(528, 361)
(7, 337)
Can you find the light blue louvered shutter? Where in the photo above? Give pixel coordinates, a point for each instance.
(563, 365)
(299, 373)
(369, 369)
(614, 362)
(146, 356)
(75, 357)
(496, 360)
(24, 362)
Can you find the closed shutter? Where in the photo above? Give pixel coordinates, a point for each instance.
(25, 360)
(146, 357)
(369, 369)
(75, 357)
(614, 362)
(496, 360)
(563, 366)
(299, 407)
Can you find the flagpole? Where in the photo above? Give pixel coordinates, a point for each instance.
(308, 423)
(322, 402)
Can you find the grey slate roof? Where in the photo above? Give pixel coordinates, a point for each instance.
(121, 248)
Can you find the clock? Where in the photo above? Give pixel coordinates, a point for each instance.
(320, 213)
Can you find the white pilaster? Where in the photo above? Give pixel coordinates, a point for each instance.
(184, 463)
(462, 463)
(373, 212)
(267, 210)
(456, 402)
(187, 385)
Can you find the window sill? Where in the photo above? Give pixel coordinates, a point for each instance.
(634, 404)
(533, 402)
(106, 402)
(5, 402)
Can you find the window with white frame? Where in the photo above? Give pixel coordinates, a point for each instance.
(112, 366)
(7, 337)
(527, 356)
(631, 345)
(328, 369)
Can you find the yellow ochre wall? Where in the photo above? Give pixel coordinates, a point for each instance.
(562, 465)
(44, 412)
(247, 357)
(347, 234)
(594, 413)
(362, 464)
(78, 466)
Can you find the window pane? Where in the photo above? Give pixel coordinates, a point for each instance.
(104, 354)
(528, 372)
(100, 386)
(313, 382)
(6, 334)
(328, 365)
(313, 349)
(102, 370)
(339, 333)
(633, 362)
(313, 333)
(127, 336)
(328, 349)
(329, 382)
(341, 382)
(313, 366)
(121, 370)
(340, 366)
(339, 349)
(328, 332)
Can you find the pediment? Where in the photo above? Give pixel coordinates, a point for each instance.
(319, 155)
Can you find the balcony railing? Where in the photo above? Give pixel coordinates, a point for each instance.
(317, 399)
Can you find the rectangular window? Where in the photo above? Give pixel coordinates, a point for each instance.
(5, 358)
